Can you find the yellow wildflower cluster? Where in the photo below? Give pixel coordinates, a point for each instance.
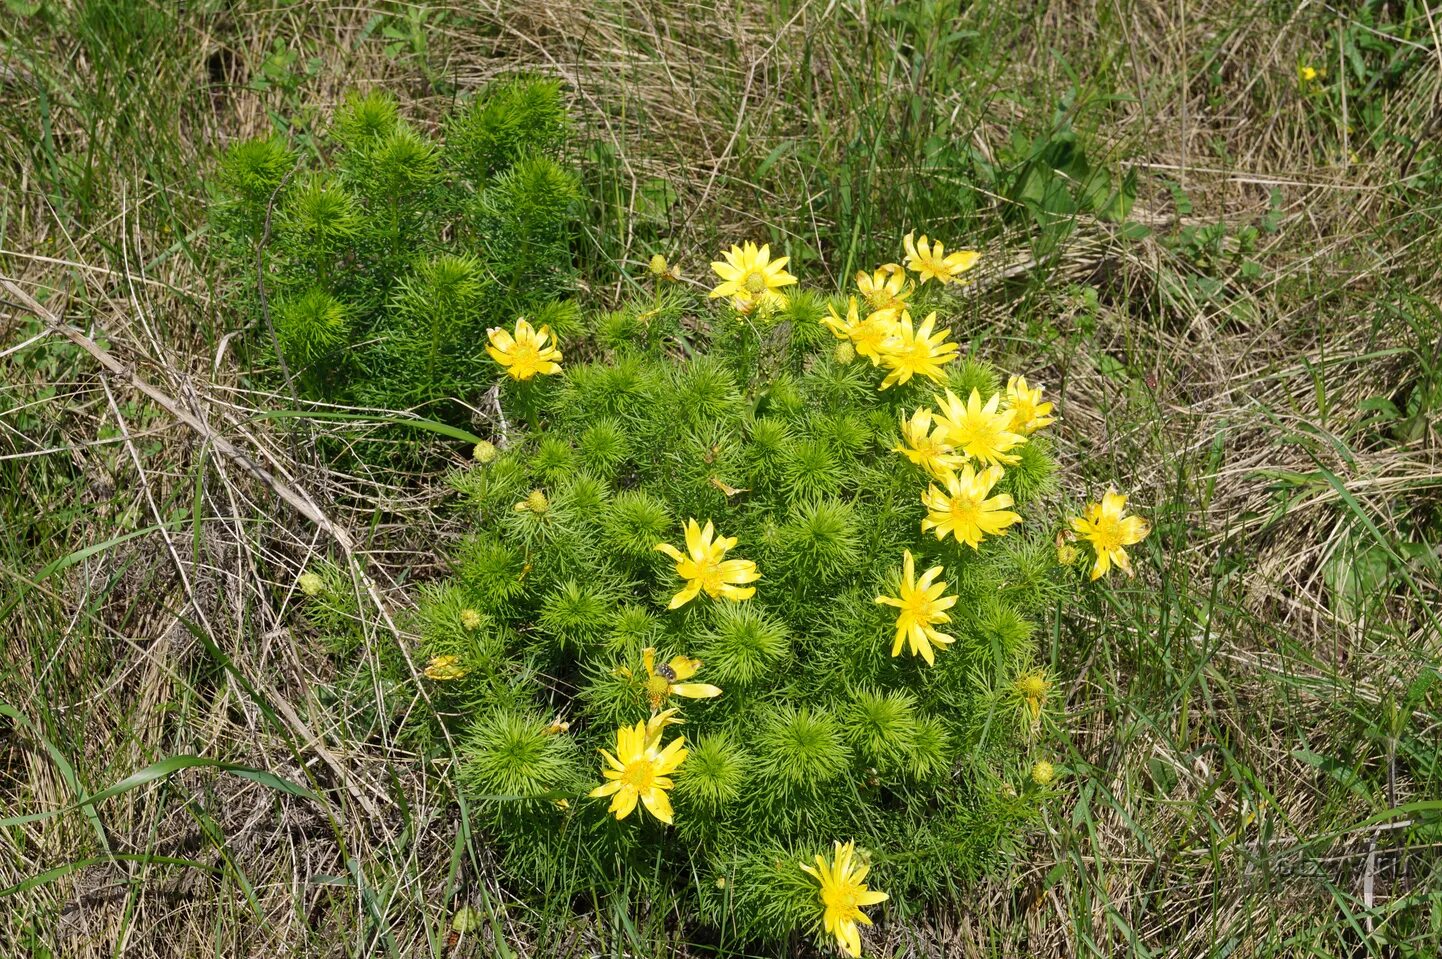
(964, 447)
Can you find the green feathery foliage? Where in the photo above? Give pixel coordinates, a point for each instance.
(386, 254)
(804, 720)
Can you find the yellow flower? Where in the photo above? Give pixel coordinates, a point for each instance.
(922, 606)
(843, 894)
(868, 336)
(640, 770)
(931, 262)
(703, 567)
(750, 277)
(1032, 689)
(665, 681)
(525, 354)
(1309, 75)
(963, 509)
(927, 447)
(885, 288)
(979, 431)
(1028, 412)
(536, 503)
(442, 668)
(916, 352)
(1110, 532)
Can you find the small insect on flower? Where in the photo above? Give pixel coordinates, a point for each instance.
(1109, 530)
(485, 452)
(704, 568)
(1028, 412)
(526, 353)
(927, 447)
(556, 727)
(916, 351)
(310, 583)
(980, 431)
(751, 278)
(931, 261)
(922, 606)
(444, 668)
(843, 893)
(639, 771)
(667, 679)
(868, 337)
(964, 510)
(885, 288)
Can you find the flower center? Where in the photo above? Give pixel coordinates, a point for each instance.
(524, 355)
(842, 898)
(879, 298)
(640, 775)
(658, 688)
(1032, 687)
(755, 282)
(1107, 533)
(964, 507)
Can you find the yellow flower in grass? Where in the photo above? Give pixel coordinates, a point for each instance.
(932, 262)
(751, 278)
(885, 288)
(922, 607)
(667, 680)
(964, 510)
(444, 668)
(868, 336)
(1110, 531)
(916, 351)
(703, 566)
(1028, 412)
(980, 431)
(925, 446)
(843, 894)
(526, 353)
(640, 771)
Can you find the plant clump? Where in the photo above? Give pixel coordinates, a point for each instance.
(754, 627)
(382, 256)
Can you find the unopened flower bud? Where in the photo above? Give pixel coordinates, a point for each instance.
(845, 352)
(1043, 772)
(311, 584)
(470, 619)
(485, 452)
